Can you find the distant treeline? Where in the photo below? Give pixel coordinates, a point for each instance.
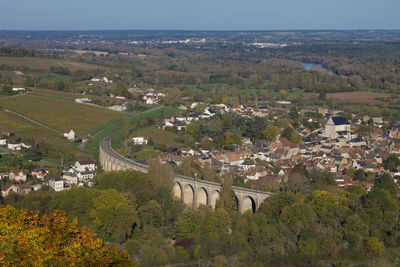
(16, 52)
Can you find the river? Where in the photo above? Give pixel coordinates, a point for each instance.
(316, 67)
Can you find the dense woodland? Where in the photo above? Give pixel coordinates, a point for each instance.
(309, 219)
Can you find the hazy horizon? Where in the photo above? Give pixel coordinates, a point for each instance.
(207, 15)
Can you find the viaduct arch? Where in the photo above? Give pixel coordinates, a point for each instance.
(191, 191)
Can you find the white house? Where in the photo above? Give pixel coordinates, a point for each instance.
(14, 146)
(3, 141)
(106, 80)
(18, 89)
(85, 165)
(69, 134)
(151, 101)
(187, 151)
(5, 190)
(82, 100)
(82, 176)
(19, 176)
(57, 184)
(119, 108)
(139, 140)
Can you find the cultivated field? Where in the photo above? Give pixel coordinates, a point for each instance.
(46, 63)
(158, 136)
(83, 52)
(28, 130)
(59, 114)
(360, 97)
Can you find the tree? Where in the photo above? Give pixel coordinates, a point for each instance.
(187, 166)
(271, 133)
(391, 162)
(50, 240)
(172, 96)
(34, 153)
(125, 130)
(351, 172)
(151, 214)
(185, 225)
(113, 215)
(227, 199)
(283, 93)
(360, 175)
(322, 95)
(160, 174)
(193, 130)
(7, 90)
(386, 182)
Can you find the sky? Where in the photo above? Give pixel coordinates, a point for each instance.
(198, 15)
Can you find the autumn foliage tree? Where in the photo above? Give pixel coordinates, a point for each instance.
(29, 239)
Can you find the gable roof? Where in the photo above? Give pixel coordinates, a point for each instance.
(339, 120)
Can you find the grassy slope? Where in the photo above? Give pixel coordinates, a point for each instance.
(28, 130)
(59, 114)
(117, 141)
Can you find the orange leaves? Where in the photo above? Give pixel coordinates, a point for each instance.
(26, 238)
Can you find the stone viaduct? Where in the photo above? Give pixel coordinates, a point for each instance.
(191, 191)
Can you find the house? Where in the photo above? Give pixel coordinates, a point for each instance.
(334, 125)
(3, 141)
(57, 184)
(18, 89)
(6, 189)
(209, 112)
(85, 165)
(36, 187)
(119, 108)
(106, 80)
(187, 152)
(19, 176)
(139, 140)
(86, 175)
(40, 174)
(395, 131)
(151, 101)
(247, 164)
(13, 145)
(253, 173)
(322, 111)
(69, 134)
(26, 145)
(70, 177)
(24, 189)
(82, 100)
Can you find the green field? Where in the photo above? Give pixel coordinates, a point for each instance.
(93, 146)
(164, 111)
(46, 63)
(59, 114)
(159, 136)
